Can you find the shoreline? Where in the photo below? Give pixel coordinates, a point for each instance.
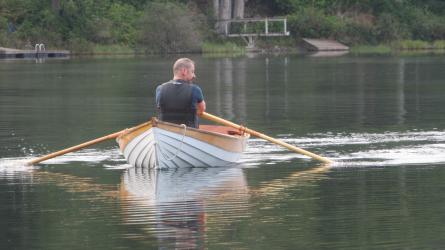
(274, 47)
(233, 49)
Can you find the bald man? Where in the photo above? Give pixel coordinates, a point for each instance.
(179, 100)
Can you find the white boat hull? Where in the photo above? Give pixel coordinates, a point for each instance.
(173, 146)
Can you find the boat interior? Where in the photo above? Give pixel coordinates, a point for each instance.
(221, 129)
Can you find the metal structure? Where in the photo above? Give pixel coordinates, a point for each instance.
(39, 51)
(39, 47)
(251, 28)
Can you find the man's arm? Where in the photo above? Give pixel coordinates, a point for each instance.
(201, 107)
(199, 99)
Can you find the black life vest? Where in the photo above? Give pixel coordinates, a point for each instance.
(176, 104)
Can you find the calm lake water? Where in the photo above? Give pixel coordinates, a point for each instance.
(380, 118)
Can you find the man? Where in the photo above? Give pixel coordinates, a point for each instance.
(179, 100)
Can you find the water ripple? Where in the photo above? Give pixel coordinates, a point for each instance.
(356, 149)
(346, 149)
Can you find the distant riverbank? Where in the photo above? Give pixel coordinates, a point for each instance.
(284, 46)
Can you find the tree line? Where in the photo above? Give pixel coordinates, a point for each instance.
(171, 26)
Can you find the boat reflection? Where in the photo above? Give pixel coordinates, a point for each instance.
(177, 206)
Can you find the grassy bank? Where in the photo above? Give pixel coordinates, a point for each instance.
(400, 46)
(419, 45)
(367, 49)
(222, 47)
(115, 49)
(228, 47)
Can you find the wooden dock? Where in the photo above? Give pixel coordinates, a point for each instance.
(323, 45)
(7, 53)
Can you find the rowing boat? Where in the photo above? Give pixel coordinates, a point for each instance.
(166, 145)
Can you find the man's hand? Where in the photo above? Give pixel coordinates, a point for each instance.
(201, 108)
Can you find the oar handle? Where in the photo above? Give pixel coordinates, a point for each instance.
(263, 136)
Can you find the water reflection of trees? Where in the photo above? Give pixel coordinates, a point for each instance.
(322, 92)
(230, 87)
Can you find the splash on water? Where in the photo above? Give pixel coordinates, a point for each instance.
(11, 166)
(422, 154)
(110, 158)
(356, 149)
(346, 150)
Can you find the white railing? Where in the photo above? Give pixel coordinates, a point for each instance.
(250, 34)
(265, 31)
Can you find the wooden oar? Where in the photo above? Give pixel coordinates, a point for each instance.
(263, 136)
(83, 145)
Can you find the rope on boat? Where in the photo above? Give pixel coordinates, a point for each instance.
(178, 149)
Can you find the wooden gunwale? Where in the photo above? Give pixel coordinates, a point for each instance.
(130, 134)
(231, 143)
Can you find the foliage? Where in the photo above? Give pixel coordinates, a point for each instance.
(359, 30)
(418, 45)
(412, 45)
(314, 23)
(123, 18)
(183, 25)
(80, 46)
(425, 25)
(388, 28)
(367, 49)
(89, 21)
(439, 44)
(360, 21)
(270, 7)
(112, 49)
(170, 28)
(227, 47)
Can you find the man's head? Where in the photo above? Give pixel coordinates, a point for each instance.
(184, 69)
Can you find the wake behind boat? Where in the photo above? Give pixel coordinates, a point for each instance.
(166, 145)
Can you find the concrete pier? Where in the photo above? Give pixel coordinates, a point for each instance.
(323, 45)
(18, 53)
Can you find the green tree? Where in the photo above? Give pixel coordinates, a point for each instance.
(124, 19)
(170, 27)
